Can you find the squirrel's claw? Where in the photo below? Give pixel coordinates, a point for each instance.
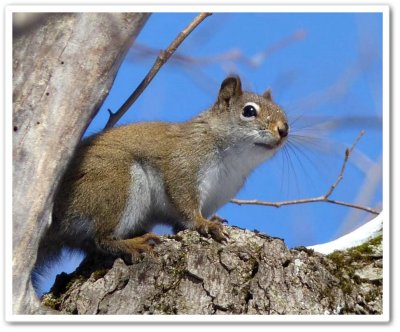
(214, 229)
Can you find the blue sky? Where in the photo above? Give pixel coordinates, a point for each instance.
(324, 69)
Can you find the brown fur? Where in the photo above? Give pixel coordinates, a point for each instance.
(96, 184)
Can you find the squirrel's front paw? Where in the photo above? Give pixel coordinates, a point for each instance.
(212, 228)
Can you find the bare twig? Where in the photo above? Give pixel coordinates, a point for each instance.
(323, 198)
(303, 201)
(160, 61)
(346, 158)
(234, 55)
(336, 90)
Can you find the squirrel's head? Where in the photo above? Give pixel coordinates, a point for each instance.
(252, 118)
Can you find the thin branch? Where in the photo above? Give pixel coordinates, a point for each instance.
(303, 201)
(160, 61)
(346, 158)
(323, 198)
(234, 55)
(339, 88)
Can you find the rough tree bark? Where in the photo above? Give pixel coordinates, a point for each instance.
(251, 274)
(63, 68)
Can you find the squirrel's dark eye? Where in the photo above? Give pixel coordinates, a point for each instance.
(249, 111)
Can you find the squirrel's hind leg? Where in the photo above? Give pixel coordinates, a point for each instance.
(128, 249)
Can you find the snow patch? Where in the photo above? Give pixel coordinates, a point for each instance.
(359, 236)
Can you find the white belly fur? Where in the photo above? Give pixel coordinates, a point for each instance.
(223, 177)
(219, 181)
(147, 202)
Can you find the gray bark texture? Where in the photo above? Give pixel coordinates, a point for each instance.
(63, 68)
(251, 274)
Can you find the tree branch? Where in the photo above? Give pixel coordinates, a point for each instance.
(234, 55)
(51, 71)
(323, 198)
(346, 158)
(160, 61)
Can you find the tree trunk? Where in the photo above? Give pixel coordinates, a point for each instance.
(251, 274)
(63, 68)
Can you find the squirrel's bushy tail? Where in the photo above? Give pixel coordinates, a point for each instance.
(49, 252)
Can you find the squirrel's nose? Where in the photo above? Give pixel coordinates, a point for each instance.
(283, 129)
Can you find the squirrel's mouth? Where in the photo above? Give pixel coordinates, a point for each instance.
(268, 146)
(271, 146)
(265, 145)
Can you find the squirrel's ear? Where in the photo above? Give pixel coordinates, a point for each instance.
(230, 87)
(268, 95)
